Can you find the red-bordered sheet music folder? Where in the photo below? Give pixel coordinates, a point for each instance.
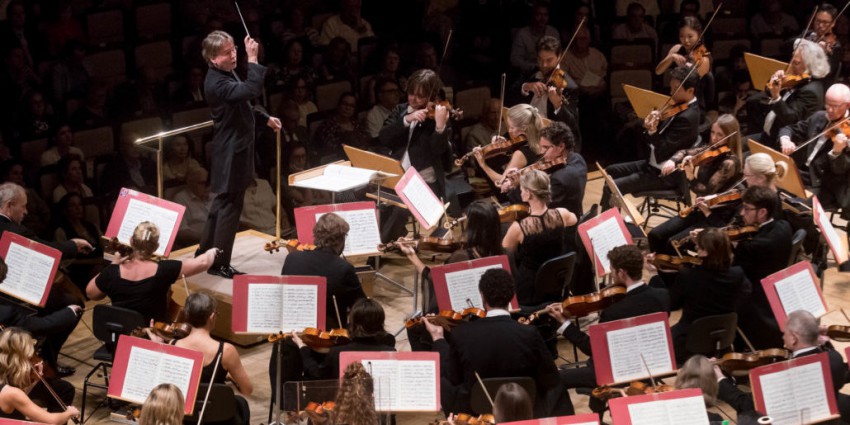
(404, 382)
(4, 421)
(786, 389)
(463, 277)
(419, 198)
(585, 419)
(835, 242)
(797, 289)
(133, 207)
(278, 303)
(32, 268)
(139, 367)
(606, 232)
(362, 218)
(680, 407)
(617, 348)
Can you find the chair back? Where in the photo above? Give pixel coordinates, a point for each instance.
(711, 334)
(478, 400)
(796, 245)
(110, 321)
(221, 406)
(553, 277)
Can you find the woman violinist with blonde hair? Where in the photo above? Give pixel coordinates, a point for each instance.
(164, 406)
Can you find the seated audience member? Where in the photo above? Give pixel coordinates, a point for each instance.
(164, 406)
(523, 46)
(62, 140)
(390, 69)
(299, 93)
(36, 121)
(69, 77)
(178, 161)
(366, 330)
(772, 22)
(482, 132)
(129, 169)
(341, 128)
(387, 95)
(635, 27)
(94, 111)
(72, 224)
(20, 387)
(197, 200)
(140, 283)
(191, 92)
(259, 212)
(71, 178)
(337, 64)
(347, 24)
(200, 312)
(292, 65)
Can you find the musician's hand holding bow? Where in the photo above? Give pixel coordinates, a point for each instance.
(297, 340)
(650, 123)
(536, 87)
(649, 263)
(556, 311)
(688, 167)
(554, 97)
(702, 205)
(667, 167)
(774, 86)
(787, 145)
(510, 180)
(677, 58)
(436, 332)
(839, 143)
(83, 246)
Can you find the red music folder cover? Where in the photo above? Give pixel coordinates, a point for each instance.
(835, 242)
(455, 283)
(404, 381)
(134, 207)
(621, 347)
(680, 407)
(585, 419)
(270, 304)
(602, 234)
(419, 198)
(794, 388)
(362, 218)
(141, 364)
(4, 421)
(794, 288)
(32, 268)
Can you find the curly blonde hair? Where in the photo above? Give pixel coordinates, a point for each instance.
(355, 402)
(164, 406)
(145, 240)
(16, 349)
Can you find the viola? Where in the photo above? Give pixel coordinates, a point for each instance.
(513, 213)
(838, 333)
(705, 156)
(732, 362)
(712, 200)
(669, 262)
(635, 388)
(290, 245)
(166, 331)
(317, 339)
(467, 419)
(454, 114)
(500, 146)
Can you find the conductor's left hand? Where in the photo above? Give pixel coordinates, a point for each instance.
(274, 123)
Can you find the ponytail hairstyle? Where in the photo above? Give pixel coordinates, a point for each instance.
(145, 240)
(529, 120)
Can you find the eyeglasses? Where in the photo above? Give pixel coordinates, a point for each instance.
(748, 208)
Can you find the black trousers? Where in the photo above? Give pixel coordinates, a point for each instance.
(41, 396)
(638, 176)
(222, 224)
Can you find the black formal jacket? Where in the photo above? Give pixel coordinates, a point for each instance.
(568, 183)
(680, 134)
(743, 402)
(427, 148)
(824, 170)
(638, 302)
(342, 279)
(801, 103)
(567, 114)
(764, 254)
(329, 367)
(62, 320)
(496, 347)
(68, 248)
(700, 292)
(229, 99)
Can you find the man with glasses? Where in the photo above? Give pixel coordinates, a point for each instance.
(233, 140)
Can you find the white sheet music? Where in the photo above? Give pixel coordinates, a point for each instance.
(463, 285)
(275, 307)
(300, 307)
(404, 385)
(800, 390)
(29, 273)
(139, 211)
(363, 234)
(680, 411)
(625, 347)
(798, 292)
(337, 178)
(604, 237)
(147, 369)
(830, 234)
(419, 196)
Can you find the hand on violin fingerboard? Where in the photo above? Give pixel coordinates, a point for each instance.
(557, 312)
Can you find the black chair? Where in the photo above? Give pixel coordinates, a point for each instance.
(552, 278)
(221, 406)
(680, 195)
(711, 335)
(481, 404)
(796, 245)
(109, 322)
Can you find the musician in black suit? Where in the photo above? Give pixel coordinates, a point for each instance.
(665, 138)
(775, 108)
(553, 103)
(627, 265)
(767, 252)
(824, 164)
(801, 338)
(495, 346)
(233, 140)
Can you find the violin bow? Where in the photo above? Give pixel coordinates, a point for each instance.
(746, 340)
(566, 49)
(487, 393)
(336, 308)
(648, 371)
(53, 393)
(501, 105)
(667, 102)
(802, 37)
(209, 389)
(835, 125)
(708, 24)
(832, 25)
(712, 146)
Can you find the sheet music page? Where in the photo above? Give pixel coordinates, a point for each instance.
(680, 411)
(147, 369)
(385, 374)
(785, 404)
(265, 308)
(29, 273)
(419, 195)
(798, 292)
(625, 347)
(463, 285)
(363, 235)
(176, 370)
(300, 307)
(139, 211)
(352, 174)
(416, 387)
(605, 237)
(828, 230)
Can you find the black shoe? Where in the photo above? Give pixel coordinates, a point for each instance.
(63, 371)
(226, 271)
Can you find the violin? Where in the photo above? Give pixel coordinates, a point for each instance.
(166, 331)
(669, 262)
(651, 121)
(838, 333)
(467, 419)
(317, 339)
(582, 305)
(115, 247)
(737, 233)
(827, 41)
(705, 155)
(426, 243)
(732, 362)
(291, 246)
(446, 319)
(843, 128)
(541, 164)
(512, 213)
(698, 53)
(635, 388)
(320, 408)
(790, 81)
(454, 114)
(500, 146)
(712, 200)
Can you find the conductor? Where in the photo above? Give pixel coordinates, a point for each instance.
(233, 116)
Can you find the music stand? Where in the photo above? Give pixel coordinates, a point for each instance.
(791, 180)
